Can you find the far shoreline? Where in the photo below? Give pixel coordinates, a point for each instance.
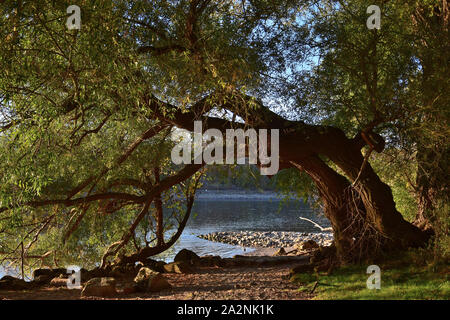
(238, 195)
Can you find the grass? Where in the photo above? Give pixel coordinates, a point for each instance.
(408, 276)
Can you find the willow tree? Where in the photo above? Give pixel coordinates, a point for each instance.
(85, 172)
(429, 123)
(86, 114)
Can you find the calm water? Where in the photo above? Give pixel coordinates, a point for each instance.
(236, 214)
(240, 215)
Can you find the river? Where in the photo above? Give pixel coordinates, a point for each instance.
(239, 212)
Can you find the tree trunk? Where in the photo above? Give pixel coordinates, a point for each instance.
(300, 141)
(425, 193)
(382, 221)
(433, 152)
(333, 190)
(377, 199)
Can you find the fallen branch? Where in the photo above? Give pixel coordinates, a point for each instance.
(317, 225)
(314, 288)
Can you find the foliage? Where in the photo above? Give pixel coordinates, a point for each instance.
(398, 170)
(76, 105)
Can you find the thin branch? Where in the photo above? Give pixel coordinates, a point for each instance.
(317, 225)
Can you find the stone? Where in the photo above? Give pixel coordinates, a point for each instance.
(280, 252)
(84, 274)
(59, 282)
(308, 245)
(150, 281)
(11, 283)
(186, 255)
(51, 273)
(178, 267)
(154, 264)
(210, 261)
(120, 271)
(95, 273)
(100, 287)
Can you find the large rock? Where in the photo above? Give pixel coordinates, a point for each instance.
(59, 282)
(100, 287)
(122, 271)
(154, 264)
(51, 273)
(42, 280)
(95, 273)
(210, 261)
(85, 275)
(150, 280)
(186, 255)
(53, 278)
(11, 283)
(129, 289)
(178, 267)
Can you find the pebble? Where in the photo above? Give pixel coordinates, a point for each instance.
(268, 239)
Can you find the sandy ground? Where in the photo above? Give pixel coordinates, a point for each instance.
(262, 283)
(260, 251)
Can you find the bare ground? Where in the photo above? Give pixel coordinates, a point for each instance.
(255, 283)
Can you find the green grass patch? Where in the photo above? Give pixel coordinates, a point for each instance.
(408, 276)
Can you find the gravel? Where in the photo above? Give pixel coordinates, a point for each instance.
(268, 239)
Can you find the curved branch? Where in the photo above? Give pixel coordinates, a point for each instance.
(151, 251)
(149, 133)
(77, 201)
(126, 237)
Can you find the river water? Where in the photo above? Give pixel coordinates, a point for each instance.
(239, 212)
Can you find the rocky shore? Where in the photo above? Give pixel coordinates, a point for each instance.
(189, 276)
(268, 239)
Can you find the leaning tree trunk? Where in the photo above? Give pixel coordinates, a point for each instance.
(299, 141)
(377, 199)
(382, 222)
(333, 189)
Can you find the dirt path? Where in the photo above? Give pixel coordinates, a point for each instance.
(258, 283)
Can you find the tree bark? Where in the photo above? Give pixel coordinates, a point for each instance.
(433, 152)
(377, 198)
(333, 190)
